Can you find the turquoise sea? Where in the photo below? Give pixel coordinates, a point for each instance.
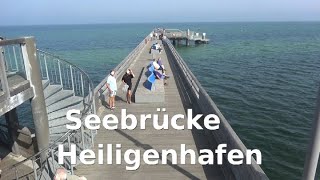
(263, 76)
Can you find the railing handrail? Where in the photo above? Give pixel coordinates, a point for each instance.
(86, 108)
(197, 90)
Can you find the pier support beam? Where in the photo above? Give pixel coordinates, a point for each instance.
(39, 110)
(174, 42)
(13, 126)
(187, 42)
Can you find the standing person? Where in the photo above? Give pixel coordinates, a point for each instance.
(127, 79)
(151, 36)
(112, 87)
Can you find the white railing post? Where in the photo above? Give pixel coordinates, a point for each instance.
(52, 158)
(9, 61)
(69, 143)
(34, 169)
(92, 140)
(15, 58)
(45, 63)
(16, 173)
(72, 82)
(60, 74)
(3, 75)
(55, 71)
(82, 86)
(82, 137)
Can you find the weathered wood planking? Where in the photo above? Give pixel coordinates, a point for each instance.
(176, 101)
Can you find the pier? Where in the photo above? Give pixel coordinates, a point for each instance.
(66, 86)
(177, 35)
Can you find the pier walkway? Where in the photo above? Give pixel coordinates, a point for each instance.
(176, 102)
(57, 86)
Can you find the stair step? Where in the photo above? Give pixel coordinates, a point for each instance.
(58, 122)
(45, 83)
(58, 130)
(51, 89)
(58, 97)
(61, 121)
(63, 112)
(64, 103)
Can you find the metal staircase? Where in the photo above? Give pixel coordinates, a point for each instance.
(65, 87)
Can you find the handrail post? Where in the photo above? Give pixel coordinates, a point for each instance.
(82, 86)
(60, 73)
(15, 58)
(72, 82)
(39, 110)
(69, 143)
(311, 161)
(52, 158)
(34, 169)
(3, 75)
(16, 173)
(9, 61)
(47, 72)
(82, 137)
(92, 141)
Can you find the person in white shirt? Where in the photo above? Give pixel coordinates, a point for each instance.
(112, 87)
(157, 64)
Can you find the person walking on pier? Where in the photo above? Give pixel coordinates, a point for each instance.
(112, 87)
(127, 79)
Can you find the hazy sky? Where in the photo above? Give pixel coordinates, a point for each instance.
(32, 12)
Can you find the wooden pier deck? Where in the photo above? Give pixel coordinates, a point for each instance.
(176, 101)
(75, 91)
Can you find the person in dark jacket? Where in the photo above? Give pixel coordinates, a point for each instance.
(127, 79)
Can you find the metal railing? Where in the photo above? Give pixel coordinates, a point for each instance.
(58, 72)
(11, 62)
(225, 134)
(61, 72)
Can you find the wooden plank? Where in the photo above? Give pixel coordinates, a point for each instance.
(51, 90)
(63, 94)
(175, 102)
(64, 103)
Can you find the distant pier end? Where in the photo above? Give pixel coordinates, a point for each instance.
(177, 35)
